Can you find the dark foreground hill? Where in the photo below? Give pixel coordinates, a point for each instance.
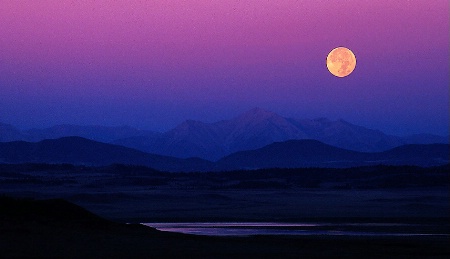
(71, 232)
(53, 212)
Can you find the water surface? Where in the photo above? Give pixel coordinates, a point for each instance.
(276, 228)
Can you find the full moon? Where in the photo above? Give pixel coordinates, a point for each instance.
(341, 62)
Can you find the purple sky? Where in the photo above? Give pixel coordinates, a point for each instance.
(153, 64)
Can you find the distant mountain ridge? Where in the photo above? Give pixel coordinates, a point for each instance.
(313, 153)
(81, 151)
(257, 128)
(253, 129)
(99, 133)
(288, 154)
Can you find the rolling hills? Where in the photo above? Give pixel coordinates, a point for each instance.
(287, 154)
(81, 151)
(312, 153)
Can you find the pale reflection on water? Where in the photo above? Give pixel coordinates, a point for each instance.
(275, 228)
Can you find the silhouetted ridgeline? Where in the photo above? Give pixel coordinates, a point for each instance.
(288, 154)
(49, 212)
(81, 151)
(250, 130)
(312, 153)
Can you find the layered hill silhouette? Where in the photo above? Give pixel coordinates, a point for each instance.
(98, 133)
(312, 153)
(77, 150)
(288, 154)
(257, 128)
(253, 129)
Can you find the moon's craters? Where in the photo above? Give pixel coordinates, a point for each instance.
(341, 62)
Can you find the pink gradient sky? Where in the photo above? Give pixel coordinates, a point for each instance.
(153, 64)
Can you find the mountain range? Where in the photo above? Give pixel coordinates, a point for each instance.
(81, 151)
(287, 154)
(313, 153)
(253, 129)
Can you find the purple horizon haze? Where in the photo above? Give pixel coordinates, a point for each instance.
(153, 64)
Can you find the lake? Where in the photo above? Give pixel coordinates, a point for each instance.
(286, 228)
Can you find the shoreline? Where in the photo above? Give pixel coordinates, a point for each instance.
(59, 229)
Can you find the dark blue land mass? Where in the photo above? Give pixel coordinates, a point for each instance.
(262, 168)
(403, 209)
(58, 229)
(141, 194)
(251, 130)
(288, 154)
